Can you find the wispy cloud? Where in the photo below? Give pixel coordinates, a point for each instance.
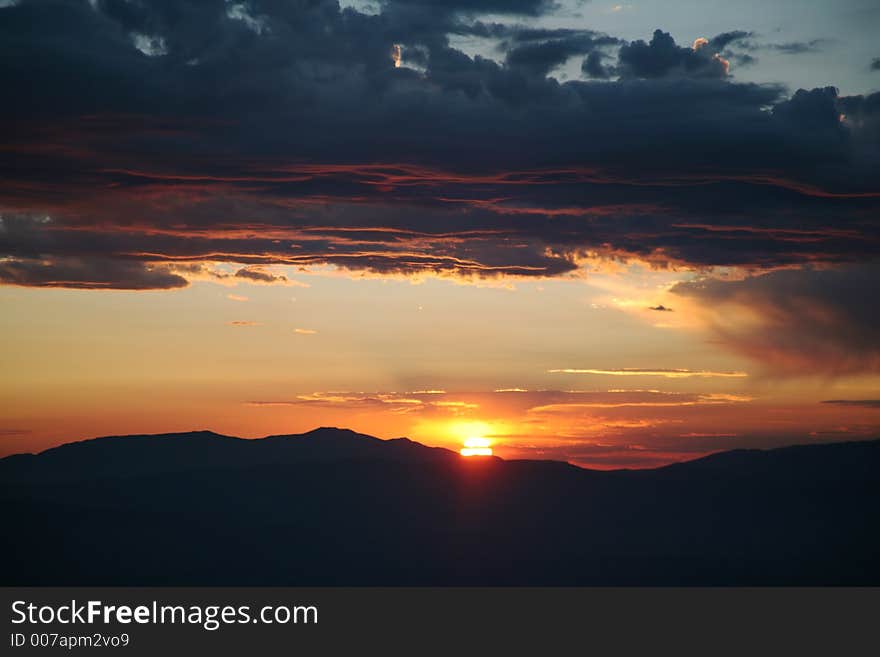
(866, 403)
(305, 331)
(8, 433)
(799, 47)
(236, 297)
(625, 427)
(667, 373)
(418, 402)
(241, 322)
(657, 401)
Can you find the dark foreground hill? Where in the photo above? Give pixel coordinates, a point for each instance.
(335, 507)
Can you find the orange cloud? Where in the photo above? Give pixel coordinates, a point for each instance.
(667, 373)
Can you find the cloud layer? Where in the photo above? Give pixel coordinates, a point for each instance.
(283, 133)
(141, 141)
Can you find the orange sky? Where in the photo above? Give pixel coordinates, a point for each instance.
(577, 369)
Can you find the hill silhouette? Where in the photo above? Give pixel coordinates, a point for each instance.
(178, 452)
(333, 507)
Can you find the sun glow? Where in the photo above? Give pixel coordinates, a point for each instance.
(470, 437)
(476, 446)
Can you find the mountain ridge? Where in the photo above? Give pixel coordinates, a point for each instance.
(164, 452)
(360, 445)
(338, 509)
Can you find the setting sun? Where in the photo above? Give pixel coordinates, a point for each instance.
(476, 446)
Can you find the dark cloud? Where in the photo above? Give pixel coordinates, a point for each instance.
(540, 56)
(862, 115)
(662, 57)
(721, 41)
(867, 403)
(91, 273)
(139, 139)
(798, 47)
(875, 64)
(593, 67)
(740, 47)
(259, 275)
(804, 322)
(742, 59)
(523, 7)
(816, 107)
(661, 308)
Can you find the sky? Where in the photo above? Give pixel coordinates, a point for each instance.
(620, 235)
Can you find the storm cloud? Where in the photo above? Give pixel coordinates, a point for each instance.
(142, 137)
(662, 57)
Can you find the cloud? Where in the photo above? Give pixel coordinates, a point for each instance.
(875, 64)
(617, 406)
(88, 273)
(612, 427)
(740, 46)
(137, 167)
(523, 7)
(9, 433)
(305, 331)
(667, 373)
(259, 275)
(662, 57)
(399, 402)
(866, 403)
(242, 323)
(593, 67)
(149, 45)
(799, 47)
(649, 403)
(796, 321)
(721, 41)
(661, 308)
(236, 297)
(540, 51)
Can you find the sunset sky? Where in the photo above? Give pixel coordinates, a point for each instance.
(616, 234)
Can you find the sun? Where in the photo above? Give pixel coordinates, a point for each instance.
(470, 437)
(476, 446)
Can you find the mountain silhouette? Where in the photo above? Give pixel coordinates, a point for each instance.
(334, 507)
(198, 450)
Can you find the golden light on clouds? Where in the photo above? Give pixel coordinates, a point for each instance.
(672, 373)
(701, 42)
(396, 55)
